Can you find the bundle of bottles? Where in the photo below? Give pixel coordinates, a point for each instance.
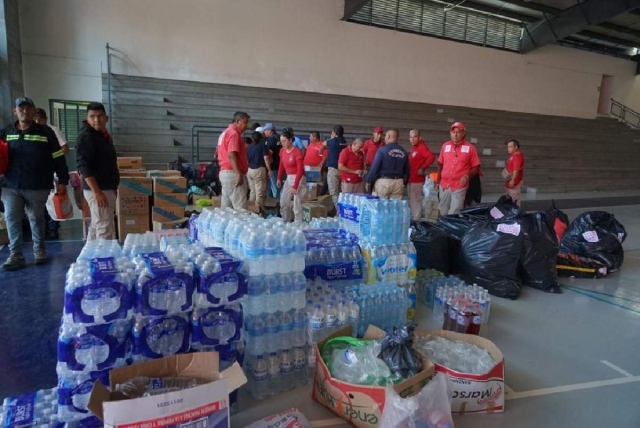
(149, 300)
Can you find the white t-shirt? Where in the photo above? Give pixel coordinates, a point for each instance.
(59, 135)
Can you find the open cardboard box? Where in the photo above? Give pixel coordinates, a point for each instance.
(207, 403)
(474, 393)
(360, 405)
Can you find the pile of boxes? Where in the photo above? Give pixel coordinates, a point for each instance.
(170, 199)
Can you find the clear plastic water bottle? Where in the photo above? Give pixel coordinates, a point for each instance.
(299, 334)
(330, 318)
(275, 381)
(271, 336)
(299, 288)
(285, 292)
(255, 334)
(286, 370)
(316, 324)
(299, 366)
(260, 378)
(285, 334)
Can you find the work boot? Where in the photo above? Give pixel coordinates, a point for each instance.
(15, 261)
(40, 256)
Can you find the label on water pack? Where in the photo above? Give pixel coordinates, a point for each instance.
(349, 212)
(335, 271)
(152, 296)
(286, 365)
(99, 302)
(411, 312)
(162, 336)
(331, 320)
(214, 323)
(299, 360)
(21, 411)
(157, 263)
(316, 322)
(260, 373)
(97, 348)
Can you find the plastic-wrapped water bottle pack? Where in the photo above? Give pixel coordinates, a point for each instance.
(161, 336)
(37, 409)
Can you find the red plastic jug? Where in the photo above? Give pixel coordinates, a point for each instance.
(62, 205)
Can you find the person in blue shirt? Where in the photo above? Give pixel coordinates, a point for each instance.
(390, 169)
(334, 145)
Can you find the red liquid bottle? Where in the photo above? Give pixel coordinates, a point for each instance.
(476, 320)
(463, 320)
(448, 307)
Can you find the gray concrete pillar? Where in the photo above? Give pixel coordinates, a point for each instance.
(11, 78)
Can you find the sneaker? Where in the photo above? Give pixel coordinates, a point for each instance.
(14, 262)
(40, 256)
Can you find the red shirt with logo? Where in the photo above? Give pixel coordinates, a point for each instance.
(291, 162)
(351, 160)
(370, 149)
(231, 141)
(314, 154)
(457, 161)
(516, 163)
(420, 157)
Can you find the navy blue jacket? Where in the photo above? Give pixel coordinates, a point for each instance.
(96, 157)
(390, 160)
(34, 155)
(335, 145)
(255, 155)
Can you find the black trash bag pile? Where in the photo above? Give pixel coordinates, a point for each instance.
(398, 353)
(580, 267)
(490, 255)
(503, 210)
(433, 247)
(560, 220)
(540, 252)
(596, 235)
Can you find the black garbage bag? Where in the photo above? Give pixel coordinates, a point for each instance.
(579, 267)
(397, 352)
(596, 235)
(539, 252)
(560, 220)
(504, 209)
(490, 257)
(456, 225)
(432, 246)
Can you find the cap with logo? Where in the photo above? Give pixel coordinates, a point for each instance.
(24, 100)
(378, 130)
(268, 126)
(458, 125)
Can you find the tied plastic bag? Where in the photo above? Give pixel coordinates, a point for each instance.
(430, 190)
(455, 355)
(59, 206)
(291, 418)
(356, 361)
(504, 209)
(397, 352)
(432, 246)
(540, 251)
(430, 408)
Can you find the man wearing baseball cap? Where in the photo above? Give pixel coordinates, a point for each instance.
(34, 155)
(372, 145)
(457, 163)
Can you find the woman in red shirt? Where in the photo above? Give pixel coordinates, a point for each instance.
(295, 187)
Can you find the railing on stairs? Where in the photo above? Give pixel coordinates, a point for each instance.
(624, 113)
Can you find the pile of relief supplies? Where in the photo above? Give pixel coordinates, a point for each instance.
(500, 247)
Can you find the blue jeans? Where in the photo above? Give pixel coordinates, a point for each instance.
(16, 203)
(273, 188)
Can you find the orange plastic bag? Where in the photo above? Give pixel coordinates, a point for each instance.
(59, 206)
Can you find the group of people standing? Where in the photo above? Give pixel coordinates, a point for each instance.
(275, 164)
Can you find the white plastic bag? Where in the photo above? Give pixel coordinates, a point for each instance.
(65, 208)
(430, 190)
(430, 408)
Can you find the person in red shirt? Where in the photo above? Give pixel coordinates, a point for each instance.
(351, 167)
(294, 189)
(457, 163)
(315, 154)
(232, 157)
(514, 171)
(420, 159)
(372, 145)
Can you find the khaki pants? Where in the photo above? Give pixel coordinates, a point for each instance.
(451, 201)
(290, 202)
(516, 194)
(415, 200)
(333, 182)
(387, 188)
(233, 196)
(352, 187)
(102, 225)
(257, 179)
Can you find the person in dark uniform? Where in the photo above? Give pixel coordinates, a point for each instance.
(334, 145)
(390, 169)
(273, 144)
(259, 169)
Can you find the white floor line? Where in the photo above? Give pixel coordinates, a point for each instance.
(508, 390)
(616, 368)
(327, 422)
(576, 387)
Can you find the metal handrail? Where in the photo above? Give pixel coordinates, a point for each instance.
(625, 113)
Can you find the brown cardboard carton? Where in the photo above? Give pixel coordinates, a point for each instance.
(140, 186)
(127, 203)
(170, 185)
(170, 200)
(166, 225)
(203, 405)
(312, 190)
(129, 162)
(163, 214)
(126, 173)
(132, 223)
(163, 173)
(216, 201)
(313, 210)
(253, 207)
(360, 405)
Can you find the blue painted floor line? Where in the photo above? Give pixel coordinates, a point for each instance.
(571, 287)
(603, 300)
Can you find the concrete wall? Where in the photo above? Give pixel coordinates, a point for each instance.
(11, 77)
(299, 45)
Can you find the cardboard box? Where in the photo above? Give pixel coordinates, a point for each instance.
(140, 186)
(327, 201)
(474, 393)
(129, 162)
(163, 173)
(168, 225)
(313, 210)
(360, 405)
(216, 201)
(206, 405)
(312, 190)
(164, 214)
(170, 185)
(170, 200)
(132, 223)
(86, 222)
(313, 173)
(430, 211)
(133, 173)
(132, 204)
(253, 207)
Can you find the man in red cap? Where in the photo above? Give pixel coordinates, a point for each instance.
(457, 163)
(372, 145)
(420, 159)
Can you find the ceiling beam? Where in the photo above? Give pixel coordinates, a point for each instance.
(550, 29)
(351, 7)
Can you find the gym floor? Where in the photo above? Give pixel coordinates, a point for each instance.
(571, 359)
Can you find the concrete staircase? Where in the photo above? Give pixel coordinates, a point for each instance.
(152, 118)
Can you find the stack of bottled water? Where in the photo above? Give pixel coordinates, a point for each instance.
(139, 243)
(325, 222)
(38, 409)
(350, 210)
(394, 263)
(212, 225)
(164, 299)
(334, 256)
(462, 308)
(95, 330)
(428, 281)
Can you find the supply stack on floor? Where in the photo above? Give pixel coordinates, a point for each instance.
(170, 198)
(132, 205)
